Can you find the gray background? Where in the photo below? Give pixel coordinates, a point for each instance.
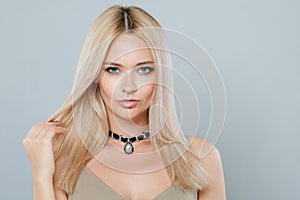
(255, 44)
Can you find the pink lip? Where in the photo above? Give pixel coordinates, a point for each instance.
(130, 103)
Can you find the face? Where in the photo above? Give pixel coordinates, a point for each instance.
(127, 79)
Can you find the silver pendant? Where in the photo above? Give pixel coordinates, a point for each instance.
(128, 148)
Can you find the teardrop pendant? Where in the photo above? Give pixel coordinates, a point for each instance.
(128, 148)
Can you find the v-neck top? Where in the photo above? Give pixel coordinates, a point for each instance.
(90, 187)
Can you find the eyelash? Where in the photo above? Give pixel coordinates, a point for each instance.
(150, 69)
(108, 69)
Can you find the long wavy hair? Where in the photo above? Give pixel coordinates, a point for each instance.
(85, 117)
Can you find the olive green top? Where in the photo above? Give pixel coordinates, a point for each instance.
(90, 187)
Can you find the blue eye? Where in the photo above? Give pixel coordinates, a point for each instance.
(145, 70)
(112, 70)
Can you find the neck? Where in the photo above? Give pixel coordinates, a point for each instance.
(128, 127)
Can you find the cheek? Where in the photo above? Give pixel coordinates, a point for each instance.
(148, 90)
(106, 89)
(147, 84)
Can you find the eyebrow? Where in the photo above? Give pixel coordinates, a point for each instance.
(119, 65)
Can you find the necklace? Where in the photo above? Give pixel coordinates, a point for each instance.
(128, 147)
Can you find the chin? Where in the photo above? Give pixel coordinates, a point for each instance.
(132, 113)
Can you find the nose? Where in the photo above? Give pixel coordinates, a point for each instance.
(129, 90)
(128, 84)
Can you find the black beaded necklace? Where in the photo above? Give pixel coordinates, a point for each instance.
(128, 148)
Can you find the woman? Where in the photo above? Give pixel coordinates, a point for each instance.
(117, 135)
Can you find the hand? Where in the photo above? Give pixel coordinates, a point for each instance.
(38, 146)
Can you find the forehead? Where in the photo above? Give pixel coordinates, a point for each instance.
(128, 46)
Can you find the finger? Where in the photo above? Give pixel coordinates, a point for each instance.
(40, 129)
(52, 122)
(59, 124)
(35, 131)
(53, 131)
(43, 131)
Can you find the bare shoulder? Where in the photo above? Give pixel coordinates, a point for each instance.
(60, 194)
(203, 148)
(212, 163)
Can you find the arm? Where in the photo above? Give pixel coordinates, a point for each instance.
(213, 165)
(38, 146)
(44, 190)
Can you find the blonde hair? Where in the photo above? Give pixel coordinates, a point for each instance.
(84, 114)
